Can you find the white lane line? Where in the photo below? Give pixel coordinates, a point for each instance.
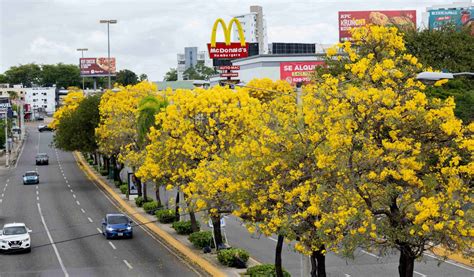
(77, 202)
(67, 181)
(19, 156)
(100, 231)
(347, 275)
(450, 262)
(128, 264)
(370, 254)
(421, 274)
(37, 192)
(74, 195)
(90, 219)
(1, 200)
(8, 180)
(3, 194)
(69, 186)
(270, 238)
(66, 274)
(83, 211)
(37, 198)
(113, 246)
(72, 190)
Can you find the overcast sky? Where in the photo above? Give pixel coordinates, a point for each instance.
(150, 33)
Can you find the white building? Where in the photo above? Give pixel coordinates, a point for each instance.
(191, 57)
(254, 26)
(41, 99)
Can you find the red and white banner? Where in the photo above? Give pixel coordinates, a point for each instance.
(229, 67)
(295, 72)
(229, 74)
(232, 51)
(97, 66)
(355, 19)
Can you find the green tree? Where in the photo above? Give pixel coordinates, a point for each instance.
(171, 75)
(199, 72)
(61, 75)
(27, 74)
(143, 77)
(126, 77)
(75, 131)
(3, 79)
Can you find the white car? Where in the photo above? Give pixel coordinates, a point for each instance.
(15, 237)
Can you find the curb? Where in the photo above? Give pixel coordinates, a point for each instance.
(172, 242)
(441, 252)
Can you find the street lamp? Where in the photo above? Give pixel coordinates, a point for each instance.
(82, 52)
(108, 22)
(431, 77)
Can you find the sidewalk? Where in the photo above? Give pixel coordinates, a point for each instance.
(14, 153)
(180, 243)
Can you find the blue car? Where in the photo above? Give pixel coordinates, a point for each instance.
(117, 226)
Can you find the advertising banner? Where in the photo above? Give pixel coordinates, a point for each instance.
(229, 67)
(234, 50)
(4, 104)
(439, 18)
(355, 19)
(295, 72)
(91, 67)
(132, 184)
(229, 74)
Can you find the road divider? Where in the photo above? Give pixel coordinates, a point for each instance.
(170, 240)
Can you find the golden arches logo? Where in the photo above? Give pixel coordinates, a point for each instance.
(227, 31)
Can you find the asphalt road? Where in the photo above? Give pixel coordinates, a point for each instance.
(65, 212)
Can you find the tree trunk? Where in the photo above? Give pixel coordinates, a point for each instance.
(157, 194)
(216, 224)
(318, 263)
(176, 208)
(194, 222)
(279, 247)
(145, 194)
(407, 262)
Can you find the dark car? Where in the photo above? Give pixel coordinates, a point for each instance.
(44, 128)
(117, 226)
(42, 158)
(31, 177)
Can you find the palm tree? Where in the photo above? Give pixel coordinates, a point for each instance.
(149, 106)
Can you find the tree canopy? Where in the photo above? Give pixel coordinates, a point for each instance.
(199, 72)
(171, 75)
(126, 77)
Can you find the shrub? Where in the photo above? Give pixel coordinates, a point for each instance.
(90, 161)
(124, 188)
(264, 270)
(165, 216)
(233, 257)
(201, 239)
(150, 207)
(104, 172)
(140, 200)
(117, 183)
(183, 227)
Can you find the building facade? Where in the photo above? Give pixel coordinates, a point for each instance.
(42, 100)
(191, 57)
(254, 27)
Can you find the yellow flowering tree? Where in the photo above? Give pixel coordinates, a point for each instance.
(117, 135)
(405, 159)
(70, 103)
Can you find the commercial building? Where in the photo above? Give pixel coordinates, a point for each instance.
(254, 27)
(456, 14)
(42, 100)
(191, 57)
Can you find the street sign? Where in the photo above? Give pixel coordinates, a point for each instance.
(222, 223)
(230, 74)
(229, 67)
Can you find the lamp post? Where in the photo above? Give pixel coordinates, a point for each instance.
(431, 77)
(82, 55)
(108, 22)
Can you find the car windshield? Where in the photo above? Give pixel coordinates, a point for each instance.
(14, 231)
(117, 219)
(30, 174)
(41, 156)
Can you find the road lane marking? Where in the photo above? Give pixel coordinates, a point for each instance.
(66, 274)
(270, 238)
(449, 262)
(1, 200)
(113, 246)
(74, 195)
(67, 181)
(370, 254)
(100, 231)
(21, 152)
(90, 219)
(3, 194)
(37, 192)
(347, 275)
(37, 198)
(422, 275)
(128, 264)
(83, 211)
(77, 202)
(72, 190)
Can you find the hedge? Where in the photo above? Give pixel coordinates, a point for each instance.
(140, 200)
(201, 239)
(150, 207)
(124, 188)
(264, 270)
(234, 257)
(165, 216)
(183, 227)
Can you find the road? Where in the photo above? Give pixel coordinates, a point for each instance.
(65, 212)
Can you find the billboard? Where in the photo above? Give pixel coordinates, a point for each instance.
(355, 19)
(227, 49)
(295, 72)
(91, 67)
(457, 17)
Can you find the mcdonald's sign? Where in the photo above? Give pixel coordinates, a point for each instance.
(227, 49)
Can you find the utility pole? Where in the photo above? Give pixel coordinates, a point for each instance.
(108, 22)
(82, 51)
(7, 148)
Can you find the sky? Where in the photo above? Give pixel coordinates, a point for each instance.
(150, 33)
